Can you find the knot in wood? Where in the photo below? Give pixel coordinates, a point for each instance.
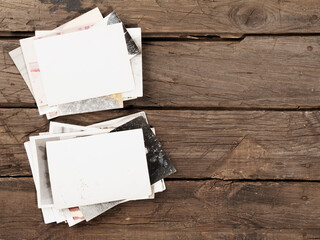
(244, 16)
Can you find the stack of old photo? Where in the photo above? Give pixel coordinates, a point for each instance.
(83, 171)
(88, 64)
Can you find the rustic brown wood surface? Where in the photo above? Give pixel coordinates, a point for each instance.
(187, 210)
(265, 72)
(239, 116)
(209, 144)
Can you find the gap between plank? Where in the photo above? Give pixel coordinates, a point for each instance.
(155, 37)
(203, 179)
(186, 108)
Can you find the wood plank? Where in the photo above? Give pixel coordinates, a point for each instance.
(202, 144)
(172, 17)
(259, 72)
(186, 210)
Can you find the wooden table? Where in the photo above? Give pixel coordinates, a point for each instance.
(233, 90)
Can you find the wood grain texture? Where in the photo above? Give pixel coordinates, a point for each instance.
(201, 144)
(180, 17)
(259, 72)
(186, 210)
(240, 174)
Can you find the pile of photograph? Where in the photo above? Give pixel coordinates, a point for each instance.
(81, 172)
(88, 64)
